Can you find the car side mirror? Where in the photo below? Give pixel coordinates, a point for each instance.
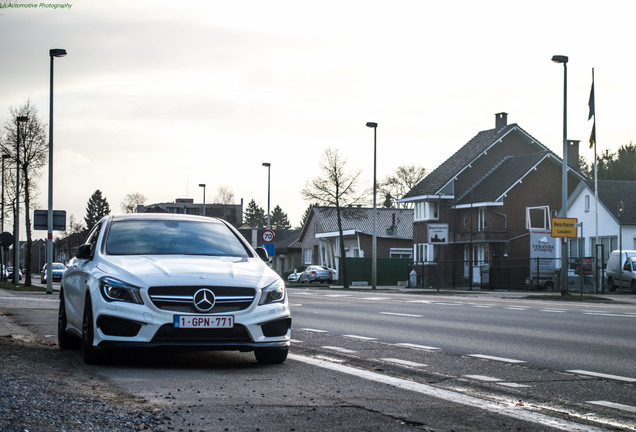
(262, 253)
(84, 252)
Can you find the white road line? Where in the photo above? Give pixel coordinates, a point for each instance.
(314, 330)
(360, 337)
(401, 314)
(602, 375)
(420, 301)
(610, 314)
(553, 310)
(403, 362)
(450, 396)
(512, 385)
(295, 341)
(501, 359)
(339, 349)
(482, 378)
(517, 308)
(614, 405)
(423, 347)
(375, 298)
(338, 295)
(448, 304)
(483, 306)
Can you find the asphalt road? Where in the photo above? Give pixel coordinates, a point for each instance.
(394, 361)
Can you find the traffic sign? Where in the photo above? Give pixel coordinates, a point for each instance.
(270, 248)
(564, 227)
(267, 236)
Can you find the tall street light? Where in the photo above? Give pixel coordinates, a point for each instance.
(203, 186)
(2, 251)
(16, 224)
(269, 167)
(564, 173)
(56, 52)
(620, 242)
(374, 253)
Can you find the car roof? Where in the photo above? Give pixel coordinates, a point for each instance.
(163, 216)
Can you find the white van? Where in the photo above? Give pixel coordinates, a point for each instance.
(628, 265)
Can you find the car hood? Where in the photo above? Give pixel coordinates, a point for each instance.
(145, 270)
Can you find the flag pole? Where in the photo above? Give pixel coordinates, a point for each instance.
(593, 137)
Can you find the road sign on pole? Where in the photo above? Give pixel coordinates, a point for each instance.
(268, 236)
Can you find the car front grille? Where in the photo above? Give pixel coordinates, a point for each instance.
(180, 298)
(167, 334)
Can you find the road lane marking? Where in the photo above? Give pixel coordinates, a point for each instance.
(360, 337)
(339, 349)
(522, 414)
(501, 359)
(401, 314)
(420, 301)
(553, 310)
(482, 378)
(517, 308)
(314, 330)
(375, 298)
(338, 295)
(610, 314)
(602, 375)
(403, 362)
(614, 405)
(512, 385)
(423, 347)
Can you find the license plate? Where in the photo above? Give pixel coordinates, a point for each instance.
(204, 321)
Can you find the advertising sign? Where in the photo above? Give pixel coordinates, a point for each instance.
(542, 254)
(438, 233)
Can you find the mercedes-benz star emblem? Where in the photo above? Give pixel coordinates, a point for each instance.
(204, 300)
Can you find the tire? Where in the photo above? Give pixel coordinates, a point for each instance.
(610, 284)
(271, 355)
(90, 354)
(65, 340)
(633, 286)
(548, 286)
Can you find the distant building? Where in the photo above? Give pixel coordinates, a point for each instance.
(232, 213)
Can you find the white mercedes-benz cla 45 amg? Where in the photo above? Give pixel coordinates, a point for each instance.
(172, 281)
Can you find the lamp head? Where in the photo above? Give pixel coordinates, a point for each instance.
(372, 125)
(202, 185)
(22, 119)
(266, 164)
(560, 59)
(620, 207)
(57, 52)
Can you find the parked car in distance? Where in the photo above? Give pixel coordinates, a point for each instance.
(621, 270)
(315, 273)
(172, 281)
(57, 270)
(294, 277)
(10, 274)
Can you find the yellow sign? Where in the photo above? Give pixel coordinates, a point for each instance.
(564, 227)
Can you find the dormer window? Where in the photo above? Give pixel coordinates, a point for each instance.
(426, 210)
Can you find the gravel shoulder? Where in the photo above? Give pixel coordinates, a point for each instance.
(45, 389)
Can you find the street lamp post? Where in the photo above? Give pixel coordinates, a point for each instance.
(564, 173)
(269, 167)
(203, 186)
(3, 246)
(374, 252)
(56, 52)
(620, 242)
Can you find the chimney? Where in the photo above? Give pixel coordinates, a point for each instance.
(501, 120)
(573, 155)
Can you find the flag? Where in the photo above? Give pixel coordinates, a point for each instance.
(592, 113)
(591, 102)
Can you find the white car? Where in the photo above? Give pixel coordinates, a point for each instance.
(172, 281)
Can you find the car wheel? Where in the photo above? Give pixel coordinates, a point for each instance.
(634, 286)
(65, 340)
(548, 286)
(610, 284)
(271, 355)
(90, 354)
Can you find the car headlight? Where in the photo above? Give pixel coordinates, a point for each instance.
(273, 293)
(115, 290)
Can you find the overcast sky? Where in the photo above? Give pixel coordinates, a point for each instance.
(158, 96)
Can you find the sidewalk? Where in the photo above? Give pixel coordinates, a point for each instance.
(8, 328)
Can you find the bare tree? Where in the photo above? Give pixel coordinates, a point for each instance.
(337, 188)
(32, 154)
(131, 201)
(393, 187)
(224, 195)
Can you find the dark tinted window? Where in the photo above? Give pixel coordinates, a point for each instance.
(168, 237)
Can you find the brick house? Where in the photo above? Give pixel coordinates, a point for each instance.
(319, 239)
(481, 193)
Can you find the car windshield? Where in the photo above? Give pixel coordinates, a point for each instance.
(172, 237)
(58, 266)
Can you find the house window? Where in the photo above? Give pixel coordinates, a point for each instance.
(425, 210)
(481, 219)
(400, 253)
(307, 256)
(587, 203)
(425, 252)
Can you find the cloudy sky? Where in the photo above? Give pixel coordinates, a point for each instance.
(158, 96)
